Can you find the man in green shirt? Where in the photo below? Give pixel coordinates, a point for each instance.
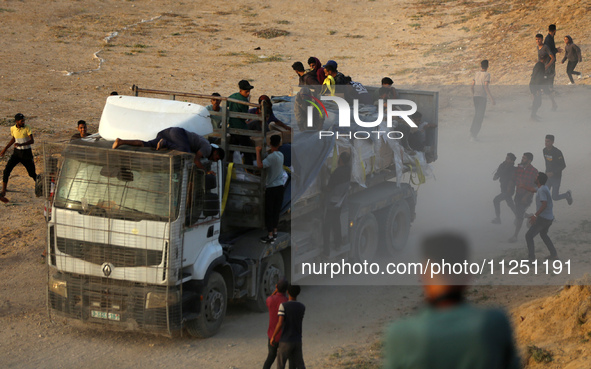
(450, 333)
(242, 95)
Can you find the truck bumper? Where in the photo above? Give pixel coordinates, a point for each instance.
(118, 304)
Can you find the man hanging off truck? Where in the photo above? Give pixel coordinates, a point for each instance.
(176, 138)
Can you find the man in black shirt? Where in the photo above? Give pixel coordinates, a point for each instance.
(505, 174)
(549, 41)
(291, 315)
(554, 166)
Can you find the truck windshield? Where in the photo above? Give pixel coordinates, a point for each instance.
(114, 191)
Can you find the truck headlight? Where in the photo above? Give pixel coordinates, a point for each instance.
(58, 286)
(156, 300)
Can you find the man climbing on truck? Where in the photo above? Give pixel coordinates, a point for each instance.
(176, 138)
(274, 187)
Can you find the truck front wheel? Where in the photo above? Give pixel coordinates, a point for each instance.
(365, 239)
(213, 308)
(397, 227)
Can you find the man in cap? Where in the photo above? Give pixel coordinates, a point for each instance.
(22, 138)
(239, 123)
(242, 95)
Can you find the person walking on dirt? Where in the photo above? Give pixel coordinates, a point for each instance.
(548, 57)
(273, 302)
(541, 220)
(22, 138)
(572, 53)
(554, 166)
(538, 85)
(549, 41)
(525, 177)
(291, 316)
(505, 174)
(480, 91)
(450, 333)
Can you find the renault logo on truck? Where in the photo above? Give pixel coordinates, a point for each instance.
(107, 269)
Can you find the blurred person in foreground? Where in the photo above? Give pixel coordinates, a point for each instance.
(450, 332)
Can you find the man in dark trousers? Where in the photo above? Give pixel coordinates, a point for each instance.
(549, 41)
(505, 174)
(554, 166)
(537, 85)
(541, 220)
(450, 333)
(291, 315)
(22, 138)
(336, 191)
(273, 302)
(274, 187)
(525, 177)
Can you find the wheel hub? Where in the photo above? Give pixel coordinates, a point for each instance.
(214, 305)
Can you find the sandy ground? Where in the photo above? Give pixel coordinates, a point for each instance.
(60, 60)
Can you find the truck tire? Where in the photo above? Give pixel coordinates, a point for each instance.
(397, 227)
(273, 270)
(213, 308)
(365, 239)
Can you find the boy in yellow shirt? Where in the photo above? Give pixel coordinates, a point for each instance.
(22, 138)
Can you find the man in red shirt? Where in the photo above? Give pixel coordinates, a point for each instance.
(273, 302)
(525, 177)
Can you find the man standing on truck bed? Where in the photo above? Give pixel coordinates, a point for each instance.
(176, 138)
(22, 138)
(274, 187)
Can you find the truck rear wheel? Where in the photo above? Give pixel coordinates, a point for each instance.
(273, 270)
(397, 227)
(365, 239)
(213, 308)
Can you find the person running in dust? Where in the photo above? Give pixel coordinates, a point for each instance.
(505, 173)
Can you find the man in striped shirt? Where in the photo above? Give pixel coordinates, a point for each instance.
(22, 138)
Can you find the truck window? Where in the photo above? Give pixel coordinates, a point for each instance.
(118, 192)
(202, 197)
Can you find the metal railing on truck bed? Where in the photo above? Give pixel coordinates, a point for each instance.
(244, 199)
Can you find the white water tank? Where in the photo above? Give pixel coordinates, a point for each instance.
(141, 118)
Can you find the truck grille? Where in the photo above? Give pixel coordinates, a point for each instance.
(99, 253)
